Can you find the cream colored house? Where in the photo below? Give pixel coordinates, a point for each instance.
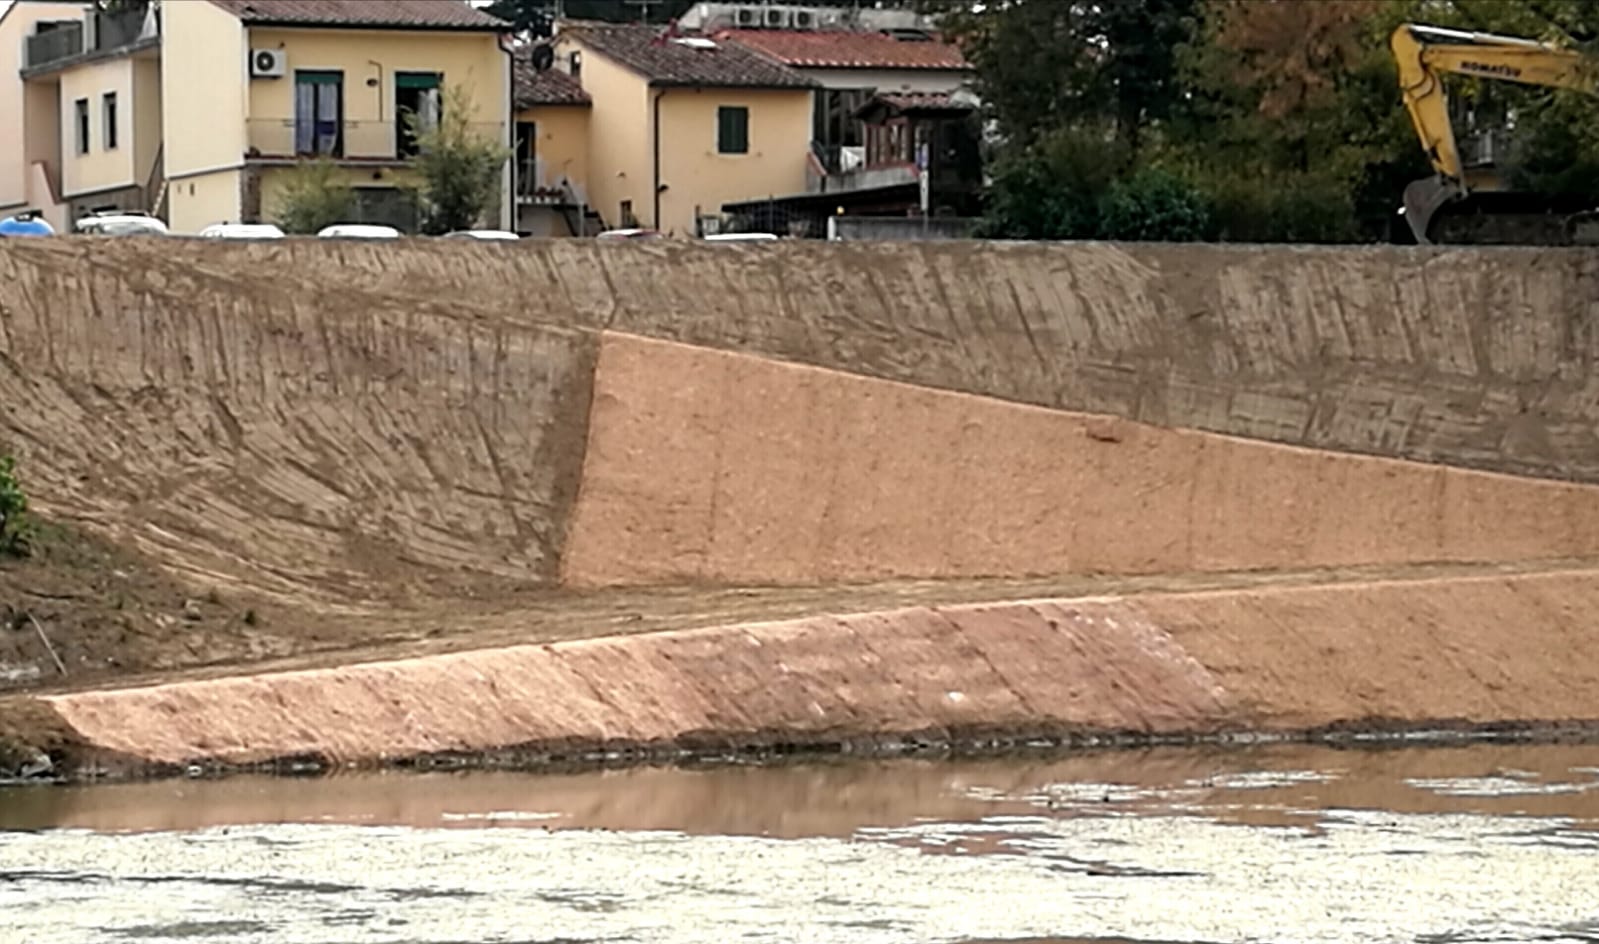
(198, 110)
(551, 168)
(681, 125)
(252, 87)
(80, 96)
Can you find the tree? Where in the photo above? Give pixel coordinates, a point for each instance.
(1048, 64)
(316, 194)
(16, 526)
(460, 169)
(536, 15)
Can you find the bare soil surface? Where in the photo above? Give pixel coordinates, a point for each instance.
(115, 618)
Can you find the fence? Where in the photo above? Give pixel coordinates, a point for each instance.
(879, 228)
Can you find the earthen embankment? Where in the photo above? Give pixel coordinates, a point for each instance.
(1480, 357)
(714, 467)
(1453, 651)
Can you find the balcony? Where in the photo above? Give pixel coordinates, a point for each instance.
(63, 42)
(97, 36)
(285, 140)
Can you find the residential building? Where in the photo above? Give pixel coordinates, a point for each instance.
(80, 97)
(251, 88)
(853, 66)
(551, 167)
(680, 125)
(199, 110)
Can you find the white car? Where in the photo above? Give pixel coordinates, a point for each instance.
(119, 224)
(241, 231)
(482, 234)
(358, 231)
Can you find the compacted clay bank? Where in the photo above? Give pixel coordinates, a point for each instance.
(1458, 653)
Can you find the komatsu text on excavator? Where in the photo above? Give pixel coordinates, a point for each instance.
(1471, 201)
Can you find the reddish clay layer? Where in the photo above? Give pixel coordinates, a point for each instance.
(705, 466)
(1454, 650)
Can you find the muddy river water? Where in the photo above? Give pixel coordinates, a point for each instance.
(1287, 843)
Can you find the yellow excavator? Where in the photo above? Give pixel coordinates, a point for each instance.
(1470, 200)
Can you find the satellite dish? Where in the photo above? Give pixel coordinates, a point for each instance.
(543, 57)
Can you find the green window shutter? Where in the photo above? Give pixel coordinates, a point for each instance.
(418, 80)
(733, 130)
(305, 77)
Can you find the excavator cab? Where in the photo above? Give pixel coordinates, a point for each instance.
(1471, 201)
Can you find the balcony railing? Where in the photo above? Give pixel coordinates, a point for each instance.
(349, 140)
(53, 45)
(69, 39)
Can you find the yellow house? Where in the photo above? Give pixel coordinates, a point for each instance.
(250, 88)
(80, 99)
(551, 168)
(681, 125)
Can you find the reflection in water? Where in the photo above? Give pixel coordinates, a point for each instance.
(1276, 844)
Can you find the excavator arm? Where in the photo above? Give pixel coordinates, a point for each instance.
(1424, 55)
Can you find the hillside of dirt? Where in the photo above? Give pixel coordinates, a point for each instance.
(304, 456)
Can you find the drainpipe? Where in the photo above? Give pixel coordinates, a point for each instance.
(509, 209)
(656, 134)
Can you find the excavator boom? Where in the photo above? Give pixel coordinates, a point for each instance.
(1424, 55)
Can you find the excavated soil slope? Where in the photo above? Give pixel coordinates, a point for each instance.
(1478, 356)
(354, 427)
(1452, 650)
(711, 467)
(417, 440)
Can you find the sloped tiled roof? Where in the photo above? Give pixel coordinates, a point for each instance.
(825, 49)
(673, 62)
(550, 87)
(374, 14)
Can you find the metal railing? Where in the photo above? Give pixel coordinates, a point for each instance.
(288, 138)
(115, 30)
(53, 45)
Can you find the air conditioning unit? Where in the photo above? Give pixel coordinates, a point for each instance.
(747, 17)
(268, 63)
(775, 18)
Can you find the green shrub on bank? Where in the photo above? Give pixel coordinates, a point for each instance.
(16, 525)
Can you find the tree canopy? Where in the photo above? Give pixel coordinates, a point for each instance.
(1243, 119)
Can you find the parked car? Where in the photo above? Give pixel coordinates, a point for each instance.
(491, 234)
(26, 223)
(119, 223)
(358, 231)
(629, 234)
(241, 231)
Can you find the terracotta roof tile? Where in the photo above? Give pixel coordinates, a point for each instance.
(682, 62)
(550, 87)
(421, 14)
(842, 50)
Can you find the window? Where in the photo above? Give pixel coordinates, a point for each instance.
(108, 119)
(81, 125)
(574, 65)
(527, 168)
(417, 107)
(628, 220)
(319, 113)
(732, 130)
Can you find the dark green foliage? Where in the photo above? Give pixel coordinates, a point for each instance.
(16, 525)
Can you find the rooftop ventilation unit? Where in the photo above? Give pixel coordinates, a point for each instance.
(775, 18)
(747, 17)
